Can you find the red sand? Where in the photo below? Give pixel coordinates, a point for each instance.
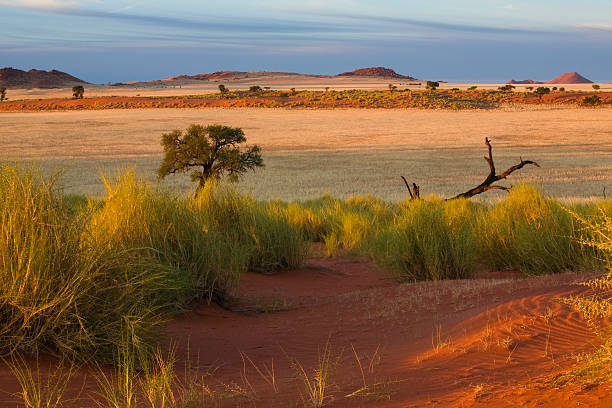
(494, 341)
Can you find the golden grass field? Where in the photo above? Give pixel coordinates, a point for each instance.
(343, 152)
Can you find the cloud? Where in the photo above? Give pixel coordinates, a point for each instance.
(509, 7)
(46, 5)
(435, 24)
(596, 26)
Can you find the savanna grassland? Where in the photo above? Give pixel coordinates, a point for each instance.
(147, 294)
(342, 152)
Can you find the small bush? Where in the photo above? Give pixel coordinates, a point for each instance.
(592, 100)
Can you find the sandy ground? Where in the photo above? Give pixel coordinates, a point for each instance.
(494, 341)
(344, 152)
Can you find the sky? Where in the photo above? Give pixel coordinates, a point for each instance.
(104, 41)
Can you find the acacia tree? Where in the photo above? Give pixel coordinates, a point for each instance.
(78, 91)
(211, 152)
(541, 91)
(432, 85)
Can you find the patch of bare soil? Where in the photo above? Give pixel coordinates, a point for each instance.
(451, 343)
(492, 341)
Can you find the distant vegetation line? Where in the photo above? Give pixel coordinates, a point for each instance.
(393, 98)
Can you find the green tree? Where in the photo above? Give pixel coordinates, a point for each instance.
(392, 88)
(596, 87)
(222, 89)
(255, 89)
(78, 91)
(432, 85)
(541, 91)
(2, 94)
(211, 152)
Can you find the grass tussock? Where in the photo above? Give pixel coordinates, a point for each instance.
(596, 306)
(429, 240)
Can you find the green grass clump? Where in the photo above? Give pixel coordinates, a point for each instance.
(428, 240)
(149, 226)
(532, 233)
(60, 290)
(262, 230)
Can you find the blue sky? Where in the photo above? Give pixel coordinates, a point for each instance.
(470, 40)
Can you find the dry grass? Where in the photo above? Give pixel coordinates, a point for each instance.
(308, 152)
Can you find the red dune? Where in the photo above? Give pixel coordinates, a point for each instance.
(570, 78)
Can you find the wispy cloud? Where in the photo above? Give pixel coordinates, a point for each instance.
(435, 24)
(44, 5)
(596, 26)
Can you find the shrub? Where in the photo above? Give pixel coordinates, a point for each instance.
(596, 87)
(591, 100)
(2, 94)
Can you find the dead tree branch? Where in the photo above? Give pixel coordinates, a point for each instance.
(487, 184)
(414, 193)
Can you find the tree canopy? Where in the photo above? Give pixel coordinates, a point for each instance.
(78, 91)
(210, 152)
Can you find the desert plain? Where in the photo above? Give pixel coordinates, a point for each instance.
(495, 340)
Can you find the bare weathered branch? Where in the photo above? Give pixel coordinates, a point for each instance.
(487, 184)
(408, 187)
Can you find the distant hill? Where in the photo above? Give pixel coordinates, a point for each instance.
(376, 72)
(570, 78)
(524, 82)
(214, 76)
(34, 78)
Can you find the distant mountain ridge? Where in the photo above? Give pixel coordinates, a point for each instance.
(34, 78)
(374, 72)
